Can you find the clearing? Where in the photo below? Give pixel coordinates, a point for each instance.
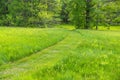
(59, 54)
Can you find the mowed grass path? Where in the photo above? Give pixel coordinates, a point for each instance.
(81, 55)
(16, 43)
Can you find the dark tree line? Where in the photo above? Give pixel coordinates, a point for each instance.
(43, 13)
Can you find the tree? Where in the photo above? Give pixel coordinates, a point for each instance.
(64, 14)
(89, 14)
(28, 12)
(3, 12)
(47, 11)
(110, 13)
(82, 13)
(77, 14)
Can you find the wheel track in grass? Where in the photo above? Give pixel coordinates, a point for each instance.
(8, 69)
(44, 58)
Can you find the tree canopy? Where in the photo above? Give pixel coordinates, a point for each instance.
(43, 13)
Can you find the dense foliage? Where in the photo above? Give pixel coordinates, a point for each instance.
(43, 13)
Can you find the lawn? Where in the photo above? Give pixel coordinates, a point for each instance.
(61, 54)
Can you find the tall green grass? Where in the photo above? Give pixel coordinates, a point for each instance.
(16, 43)
(108, 28)
(72, 27)
(95, 57)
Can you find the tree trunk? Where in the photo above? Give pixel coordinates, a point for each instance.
(87, 25)
(97, 21)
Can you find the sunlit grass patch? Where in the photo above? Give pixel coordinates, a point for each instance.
(16, 43)
(108, 27)
(66, 26)
(94, 57)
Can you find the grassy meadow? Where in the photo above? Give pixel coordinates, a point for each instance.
(16, 43)
(59, 54)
